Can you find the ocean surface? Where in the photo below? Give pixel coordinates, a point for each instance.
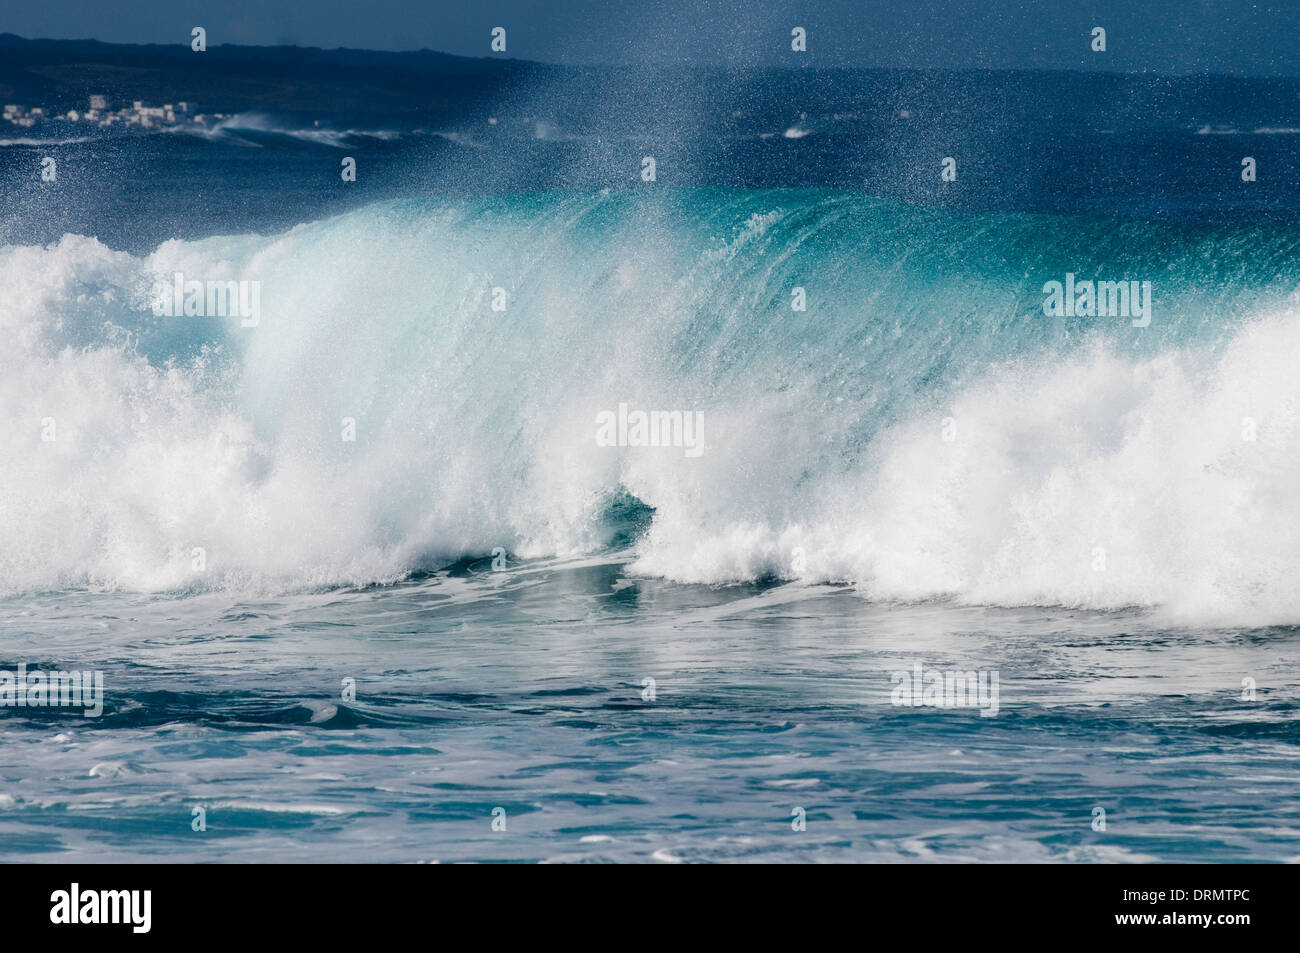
(361, 573)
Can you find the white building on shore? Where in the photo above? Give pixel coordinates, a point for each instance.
(98, 112)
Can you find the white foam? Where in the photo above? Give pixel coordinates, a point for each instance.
(1100, 483)
(476, 429)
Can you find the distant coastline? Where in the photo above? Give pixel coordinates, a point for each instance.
(429, 88)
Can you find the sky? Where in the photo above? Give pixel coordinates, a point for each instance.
(1245, 37)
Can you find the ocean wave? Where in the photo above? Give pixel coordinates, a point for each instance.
(921, 431)
(242, 128)
(30, 141)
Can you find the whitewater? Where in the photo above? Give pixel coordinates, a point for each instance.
(922, 431)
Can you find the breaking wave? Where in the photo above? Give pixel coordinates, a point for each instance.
(922, 430)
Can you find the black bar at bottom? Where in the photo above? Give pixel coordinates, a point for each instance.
(1223, 904)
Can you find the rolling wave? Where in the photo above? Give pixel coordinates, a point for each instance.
(920, 430)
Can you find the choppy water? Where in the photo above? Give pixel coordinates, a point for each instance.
(523, 689)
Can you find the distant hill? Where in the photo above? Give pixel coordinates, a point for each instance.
(61, 74)
(439, 90)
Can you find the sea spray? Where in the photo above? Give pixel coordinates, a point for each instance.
(473, 430)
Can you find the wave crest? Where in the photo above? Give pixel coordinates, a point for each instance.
(921, 430)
